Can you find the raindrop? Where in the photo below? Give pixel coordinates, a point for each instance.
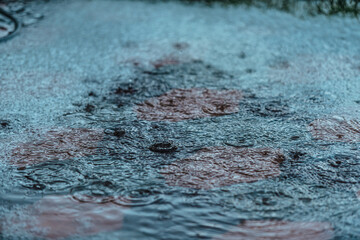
(163, 147)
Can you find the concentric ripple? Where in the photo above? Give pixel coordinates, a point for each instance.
(8, 25)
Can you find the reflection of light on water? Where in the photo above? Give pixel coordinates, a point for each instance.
(57, 144)
(278, 230)
(55, 217)
(336, 129)
(222, 166)
(183, 104)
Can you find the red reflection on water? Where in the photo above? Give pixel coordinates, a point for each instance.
(279, 230)
(57, 144)
(221, 166)
(336, 129)
(184, 104)
(56, 217)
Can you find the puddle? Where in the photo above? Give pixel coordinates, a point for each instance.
(137, 120)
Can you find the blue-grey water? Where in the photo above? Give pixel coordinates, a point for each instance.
(87, 64)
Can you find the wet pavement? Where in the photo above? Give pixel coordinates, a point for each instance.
(173, 121)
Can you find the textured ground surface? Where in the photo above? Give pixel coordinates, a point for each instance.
(171, 115)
